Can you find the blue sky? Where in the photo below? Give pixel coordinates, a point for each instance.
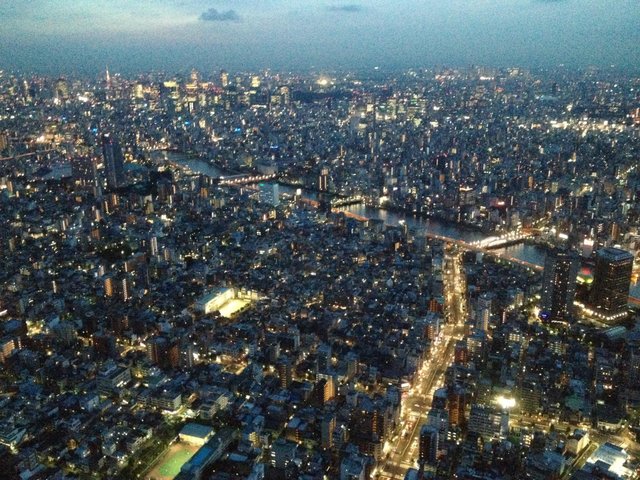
(57, 36)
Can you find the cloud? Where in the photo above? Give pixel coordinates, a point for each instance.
(348, 8)
(213, 15)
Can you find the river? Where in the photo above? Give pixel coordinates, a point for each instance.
(523, 251)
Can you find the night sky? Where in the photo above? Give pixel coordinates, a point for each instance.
(66, 36)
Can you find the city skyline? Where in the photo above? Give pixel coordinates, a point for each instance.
(332, 239)
(61, 36)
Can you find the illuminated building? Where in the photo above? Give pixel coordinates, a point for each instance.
(559, 285)
(483, 312)
(612, 276)
(456, 401)
(326, 390)
(8, 346)
(488, 422)
(323, 180)
(195, 433)
(113, 161)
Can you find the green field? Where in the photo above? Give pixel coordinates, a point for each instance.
(171, 461)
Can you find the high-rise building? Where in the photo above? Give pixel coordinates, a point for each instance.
(113, 161)
(224, 79)
(483, 312)
(428, 445)
(285, 372)
(327, 427)
(61, 89)
(323, 180)
(611, 279)
(559, 285)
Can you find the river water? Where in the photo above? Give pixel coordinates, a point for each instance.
(523, 251)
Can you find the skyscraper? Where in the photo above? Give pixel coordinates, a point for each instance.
(113, 161)
(559, 285)
(611, 279)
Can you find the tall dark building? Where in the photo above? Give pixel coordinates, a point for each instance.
(611, 279)
(113, 161)
(559, 285)
(428, 445)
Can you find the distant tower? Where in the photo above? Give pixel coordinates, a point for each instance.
(224, 79)
(285, 95)
(559, 284)
(611, 279)
(107, 83)
(62, 89)
(113, 161)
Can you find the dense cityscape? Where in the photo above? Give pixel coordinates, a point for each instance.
(402, 274)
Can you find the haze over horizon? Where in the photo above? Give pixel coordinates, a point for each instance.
(62, 36)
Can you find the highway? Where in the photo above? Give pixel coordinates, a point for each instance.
(401, 449)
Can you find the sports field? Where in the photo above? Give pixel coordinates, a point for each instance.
(232, 306)
(171, 461)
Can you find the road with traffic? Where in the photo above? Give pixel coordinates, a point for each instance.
(401, 449)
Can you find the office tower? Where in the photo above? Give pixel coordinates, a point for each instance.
(611, 279)
(113, 161)
(559, 285)
(428, 445)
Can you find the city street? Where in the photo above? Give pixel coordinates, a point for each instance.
(402, 449)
